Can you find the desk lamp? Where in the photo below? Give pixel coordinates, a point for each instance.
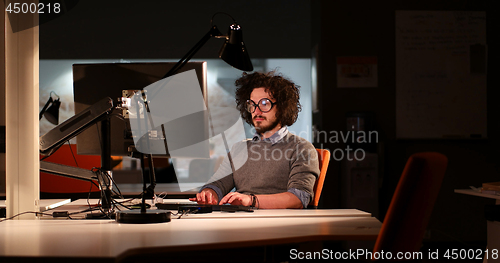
(52, 113)
(234, 53)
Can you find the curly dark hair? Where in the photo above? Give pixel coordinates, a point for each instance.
(284, 91)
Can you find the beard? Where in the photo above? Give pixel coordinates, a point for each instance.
(265, 128)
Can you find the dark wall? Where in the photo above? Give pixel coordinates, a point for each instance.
(168, 29)
(367, 28)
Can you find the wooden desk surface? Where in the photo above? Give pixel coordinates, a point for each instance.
(106, 239)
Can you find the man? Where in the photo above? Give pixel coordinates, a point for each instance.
(281, 168)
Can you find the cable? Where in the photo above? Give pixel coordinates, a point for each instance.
(23, 213)
(115, 185)
(124, 201)
(129, 207)
(120, 204)
(88, 202)
(119, 116)
(115, 205)
(102, 194)
(88, 199)
(90, 191)
(159, 198)
(74, 158)
(110, 178)
(104, 213)
(185, 212)
(84, 211)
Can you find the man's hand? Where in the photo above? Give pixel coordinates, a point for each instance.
(206, 196)
(236, 198)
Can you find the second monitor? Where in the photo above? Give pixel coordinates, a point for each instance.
(92, 82)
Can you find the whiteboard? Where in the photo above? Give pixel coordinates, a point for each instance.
(440, 74)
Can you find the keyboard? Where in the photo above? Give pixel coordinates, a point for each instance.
(223, 208)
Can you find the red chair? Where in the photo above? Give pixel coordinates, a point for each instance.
(54, 186)
(412, 203)
(324, 160)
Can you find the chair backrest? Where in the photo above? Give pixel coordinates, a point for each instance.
(324, 160)
(411, 206)
(50, 183)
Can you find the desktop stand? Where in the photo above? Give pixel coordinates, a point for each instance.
(145, 216)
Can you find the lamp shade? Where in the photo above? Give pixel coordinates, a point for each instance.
(234, 52)
(52, 113)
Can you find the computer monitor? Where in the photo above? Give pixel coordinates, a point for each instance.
(93, 82)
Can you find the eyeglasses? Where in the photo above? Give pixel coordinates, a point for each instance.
(265, 105)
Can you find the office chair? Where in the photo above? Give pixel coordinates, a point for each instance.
(324, 160)
(411, 206)
(54, 186)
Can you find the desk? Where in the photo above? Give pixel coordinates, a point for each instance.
(83, 204)
(493, 227)
(107, 240)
